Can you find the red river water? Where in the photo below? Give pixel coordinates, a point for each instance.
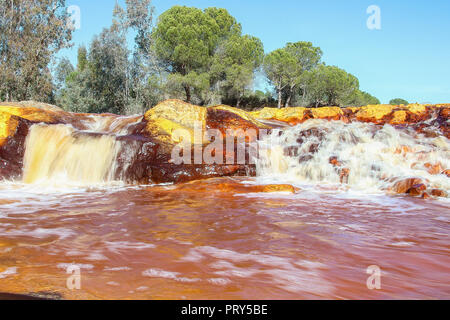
(201, 241)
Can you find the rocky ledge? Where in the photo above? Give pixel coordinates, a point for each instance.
(149, 139)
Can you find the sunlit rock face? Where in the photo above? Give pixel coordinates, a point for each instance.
(62, 145)
(413, 114)
(40, 142)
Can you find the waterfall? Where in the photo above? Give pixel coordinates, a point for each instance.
(363, 155)
(60, 154)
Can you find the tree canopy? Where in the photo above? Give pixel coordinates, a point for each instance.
(331, 86)
(185, 41)
(31, 32)
(197, 55)
(286, 67)
(398, 101)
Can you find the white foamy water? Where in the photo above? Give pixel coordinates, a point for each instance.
(374, 156)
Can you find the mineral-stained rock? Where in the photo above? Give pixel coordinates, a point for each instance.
(13, 133)
(404, 185)
(378, 114)
(334, 161)
(227, 119)
(328, 113)
(292, 116)
(438, 193)
(279, 188)
(425, 195)
(374, 113)
(147, 141)
(172, 115)
(344, 174)
(435, 168)
(417, 189)
(234, 186)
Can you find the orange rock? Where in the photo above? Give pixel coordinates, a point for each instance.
(417, 189)
(438, 193)
(279, 188)
(425, 195)
(403, 186)
(343, 175)
(403, 149)
(446, 172)
(334, 161)
(433, 168)
(399, 117)
(243, 188)
(415, 165)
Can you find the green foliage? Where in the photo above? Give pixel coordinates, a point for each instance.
(256, 100)
(398, 101)
(82, 58)
(185, 42)
(330, 86)
(106, 79)
(31, 32)
(361, 98)
(286, 68)
(62, 72)
(234, 65)
(197, 55)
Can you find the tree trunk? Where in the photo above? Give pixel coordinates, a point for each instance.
(288, 99)
(279, 97)
(188, 93)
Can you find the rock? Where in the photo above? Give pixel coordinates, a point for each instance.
(404, 185)
(279, 188)
(439, 193)
(374, 113)
(227, 119)
(416, 190)
(425, 195)
(446, 172)
(148, 140)
(403, 150)
(328, 113)
(171, 115)
(292, 116)
(433, 168)
(343, 175)
(378, 114)
(399, 117)
(13, 133)
(334, 161)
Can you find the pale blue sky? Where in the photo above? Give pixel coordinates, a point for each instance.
(407, 58)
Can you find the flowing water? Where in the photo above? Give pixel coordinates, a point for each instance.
(218, 238)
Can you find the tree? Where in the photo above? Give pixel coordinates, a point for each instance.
(286, 67)
(398, 101)
(31, 33)
(361, 98)
(235, 63)
(307, 57)
(185, 40)
(279, 66)
(106, 79)
(63, 70)
(330, 86)
(75, 94)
